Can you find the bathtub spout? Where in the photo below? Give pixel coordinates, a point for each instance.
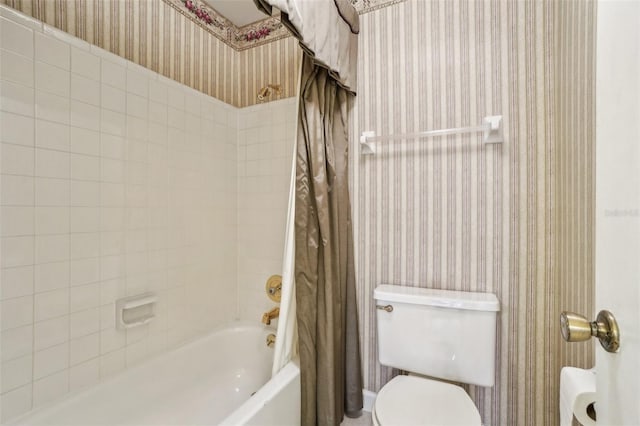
(268, 316)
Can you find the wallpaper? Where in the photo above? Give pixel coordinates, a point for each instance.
(240, 38)
(513, 219)
(254, 34)
(277, 62)
(574, 201)
(197, 46)
(152, 34)
(184, 51)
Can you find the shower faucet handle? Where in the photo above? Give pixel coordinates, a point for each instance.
(273, 288)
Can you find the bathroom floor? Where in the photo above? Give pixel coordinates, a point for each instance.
(364, 420)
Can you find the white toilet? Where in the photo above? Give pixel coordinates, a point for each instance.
(442, 334)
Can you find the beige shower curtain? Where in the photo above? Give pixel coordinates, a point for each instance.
(324, 276)
(324, 270)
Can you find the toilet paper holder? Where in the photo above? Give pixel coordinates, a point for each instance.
(576, 328)
(591, 411)
(577, 397)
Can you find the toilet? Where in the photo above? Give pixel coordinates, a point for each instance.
(442, 334)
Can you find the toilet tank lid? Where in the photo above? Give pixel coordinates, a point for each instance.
(435, 297)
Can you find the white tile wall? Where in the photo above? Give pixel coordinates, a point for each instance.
(265, 149)
(113, 181)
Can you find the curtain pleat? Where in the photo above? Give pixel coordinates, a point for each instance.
(324, 272)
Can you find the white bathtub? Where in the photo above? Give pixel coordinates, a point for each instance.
(209, 381)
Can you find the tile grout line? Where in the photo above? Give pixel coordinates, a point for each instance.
(99, 233)
(33, 297)
(69, 238)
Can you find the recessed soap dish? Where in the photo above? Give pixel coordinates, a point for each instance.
(135, 310)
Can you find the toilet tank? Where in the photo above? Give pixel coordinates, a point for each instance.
(444, 334)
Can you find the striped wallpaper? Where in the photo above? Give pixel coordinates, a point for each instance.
(513, 219)
(150, 33)
(277, 62)
(157, 36)
(574, 201)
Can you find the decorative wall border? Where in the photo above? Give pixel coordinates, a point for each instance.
(239, 38)
(365, 6)
(256, 34)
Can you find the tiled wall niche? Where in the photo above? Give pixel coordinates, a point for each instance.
(114, 181)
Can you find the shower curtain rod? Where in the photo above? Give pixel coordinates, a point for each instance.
(492, 128)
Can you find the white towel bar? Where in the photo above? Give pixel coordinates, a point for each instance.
(492, 128)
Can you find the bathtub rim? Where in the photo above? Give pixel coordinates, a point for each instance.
(252, 406)
(69, 397)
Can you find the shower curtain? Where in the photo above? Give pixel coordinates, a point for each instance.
(324, 271)
(286, 343)
(324, 278)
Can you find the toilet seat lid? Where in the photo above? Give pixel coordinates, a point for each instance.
(409, 400)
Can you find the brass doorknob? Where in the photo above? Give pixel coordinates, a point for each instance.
(576, 328)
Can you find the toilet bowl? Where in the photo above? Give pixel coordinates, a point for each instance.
(408, 400)
(441, 334)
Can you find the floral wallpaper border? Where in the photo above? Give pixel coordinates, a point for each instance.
(364, 6)
(256, 34)
(239, 38)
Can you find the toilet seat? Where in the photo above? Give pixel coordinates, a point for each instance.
(409, 400)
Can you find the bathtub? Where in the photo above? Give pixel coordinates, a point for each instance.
(222, 378)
